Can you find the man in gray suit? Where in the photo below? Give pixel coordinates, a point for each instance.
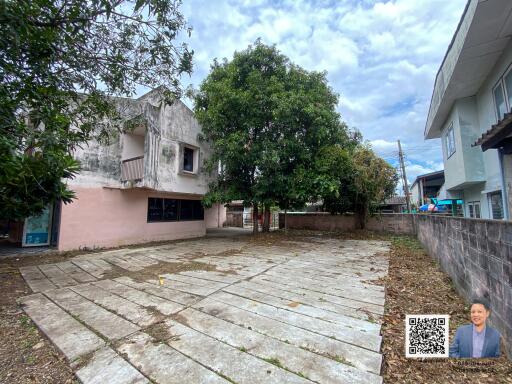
(478, 339)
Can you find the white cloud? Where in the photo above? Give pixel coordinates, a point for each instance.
(381, 57)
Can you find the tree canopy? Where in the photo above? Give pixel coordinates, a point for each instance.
(274, 128)
(52, 53)
(266, 120)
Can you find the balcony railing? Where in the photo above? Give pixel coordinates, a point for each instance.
(132, 169)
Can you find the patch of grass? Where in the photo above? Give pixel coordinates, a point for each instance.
(274, 361)
(226, 377)
(341, 359)
(27, 323)
(302, 375)
(242, 349)
(27, 343)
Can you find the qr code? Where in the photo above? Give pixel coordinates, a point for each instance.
(426, 335)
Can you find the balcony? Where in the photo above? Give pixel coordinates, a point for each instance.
(132, 169)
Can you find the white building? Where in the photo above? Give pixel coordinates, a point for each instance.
(145, 185)
(472, 93)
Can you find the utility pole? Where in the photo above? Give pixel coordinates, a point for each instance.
(406, 186)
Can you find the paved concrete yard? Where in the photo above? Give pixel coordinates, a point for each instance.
(217, 310)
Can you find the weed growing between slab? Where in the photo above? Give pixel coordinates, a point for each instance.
(274, 361)
(416, 285)
(159, 331)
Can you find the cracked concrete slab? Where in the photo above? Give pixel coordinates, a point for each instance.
(217, 310)
(71, 337)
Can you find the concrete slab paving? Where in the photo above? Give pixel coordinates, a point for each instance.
(336, 331)
(248, 291)
(235, 365)
(162, 291)
(144, 299)
(71, 337)
(293, 312)
(313, 366)
(359, 357)
(350, 307)
(106, 366)
(357, 305)
(135, 313)
(75, 272)
(101, 320)
(36, 280)
(164, 364)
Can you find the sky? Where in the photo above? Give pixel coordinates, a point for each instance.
(381, 57)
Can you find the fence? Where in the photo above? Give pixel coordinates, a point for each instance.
(245, 220)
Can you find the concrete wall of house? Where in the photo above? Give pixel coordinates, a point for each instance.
(215, 217)
(454, 168)
(168, 127)
(452, 56)
(132, 146)
(469, 128)
(104, 217)
(180, 127)
(415, 194)
(474, 194)
(487, 117)
(469, 169)
(109, 212)
(100, 164)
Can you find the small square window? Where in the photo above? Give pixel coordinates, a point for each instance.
(188, 159)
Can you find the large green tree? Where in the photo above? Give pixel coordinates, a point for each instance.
(354, 180)
(266, 120)
(52, 53)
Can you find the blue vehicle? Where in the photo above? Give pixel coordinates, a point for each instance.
(440, 205)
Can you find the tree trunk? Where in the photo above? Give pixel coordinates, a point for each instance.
(362, 216)
(266, 219)
(255, 219)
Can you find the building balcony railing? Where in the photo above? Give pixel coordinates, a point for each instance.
(132, 169)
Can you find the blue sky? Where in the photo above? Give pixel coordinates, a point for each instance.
(381, 57)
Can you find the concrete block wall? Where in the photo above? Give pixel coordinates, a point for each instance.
(477, 254)
(393, 222)
(319, 221)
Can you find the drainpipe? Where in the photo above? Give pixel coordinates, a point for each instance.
(503, 185)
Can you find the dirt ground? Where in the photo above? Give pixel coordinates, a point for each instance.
(415, 285)
(26, 356)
